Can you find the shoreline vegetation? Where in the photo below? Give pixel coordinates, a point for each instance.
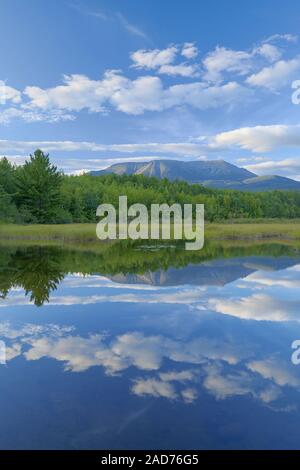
(85, 234)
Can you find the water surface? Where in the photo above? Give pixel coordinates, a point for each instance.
(149, 348)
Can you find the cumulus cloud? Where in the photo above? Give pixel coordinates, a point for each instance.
(223, 59)
(162, 60)
(189, 50)
(201, 96)
(135, 96)
(269, 51)
(77, 92)
(153, 58)
(184, 70)
(145, 93)
(276, 76)
(8, 93)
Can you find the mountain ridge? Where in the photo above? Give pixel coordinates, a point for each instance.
(217, 174)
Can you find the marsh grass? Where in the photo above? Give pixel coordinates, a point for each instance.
(85, 234)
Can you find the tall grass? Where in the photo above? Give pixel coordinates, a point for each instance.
(86, 233)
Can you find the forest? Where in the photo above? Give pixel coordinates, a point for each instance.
(37, 192)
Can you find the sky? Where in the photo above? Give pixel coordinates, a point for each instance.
(96, 82)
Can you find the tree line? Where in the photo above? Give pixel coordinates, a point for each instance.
(37, 192)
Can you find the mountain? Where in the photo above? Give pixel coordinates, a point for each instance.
(214, 174)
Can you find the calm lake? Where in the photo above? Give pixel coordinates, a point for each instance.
(149, 347)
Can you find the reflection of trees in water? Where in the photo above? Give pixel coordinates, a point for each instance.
(39, 270)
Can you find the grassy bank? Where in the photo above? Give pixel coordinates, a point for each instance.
(86, 233)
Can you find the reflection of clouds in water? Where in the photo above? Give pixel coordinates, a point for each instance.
(185, 296)
(276, 370)
(223, 367)
(31, 330)
(164, 385)
(131, 349)
(260, 307)
(279, 301)
(224, 385)
(287, 278)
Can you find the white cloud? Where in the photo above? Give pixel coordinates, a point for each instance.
(277, 75)
(77, 92)
(282, 37)
(183, 70)
(287, 166)
(223, 60)
(15, 159)
(177, 148)
(34, 115)
(189, 50)
(138, 95)
(8, 93)
(203, 97)
(269, 51)
(260, 138)
(154, 58)
(226, 60)
(162, 60)
(145, 93)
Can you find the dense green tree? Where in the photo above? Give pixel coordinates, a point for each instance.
(7, 176)
(38, 187)
(37, 192)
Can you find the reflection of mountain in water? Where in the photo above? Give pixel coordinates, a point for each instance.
(39, 270)
(216, 272)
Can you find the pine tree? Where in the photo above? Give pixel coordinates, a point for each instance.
(38, 187)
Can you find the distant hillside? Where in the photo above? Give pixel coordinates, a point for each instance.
(214, 174)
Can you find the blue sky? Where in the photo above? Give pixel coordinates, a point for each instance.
(95, 82)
